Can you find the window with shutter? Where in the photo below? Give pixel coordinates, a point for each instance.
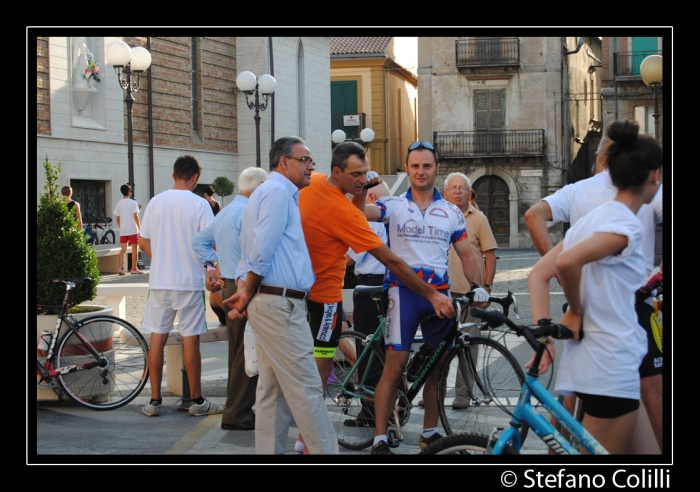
(343, 102)
(489, 107)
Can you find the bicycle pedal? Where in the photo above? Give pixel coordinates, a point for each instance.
(392, 439)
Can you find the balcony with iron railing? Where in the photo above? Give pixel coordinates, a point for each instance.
(483, 143)
(493, 52)
(352, 132)
(627, 64)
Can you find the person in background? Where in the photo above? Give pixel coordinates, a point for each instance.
(209, 197)
(472, 200)
(127, 214)
(67, 193)
(369, 271)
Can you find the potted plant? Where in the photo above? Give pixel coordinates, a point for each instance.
(223, 187)
(61, 251)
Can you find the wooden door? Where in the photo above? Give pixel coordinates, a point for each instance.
(492, 198)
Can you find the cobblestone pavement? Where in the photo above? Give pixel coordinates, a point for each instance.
(66, 428)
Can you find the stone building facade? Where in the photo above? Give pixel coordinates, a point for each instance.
(513, 114)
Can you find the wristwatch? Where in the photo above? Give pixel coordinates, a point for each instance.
(488, 286)
(214, 264)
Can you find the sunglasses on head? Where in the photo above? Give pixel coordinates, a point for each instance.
(421, 145)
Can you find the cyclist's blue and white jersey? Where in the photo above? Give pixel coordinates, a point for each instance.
(422, 240)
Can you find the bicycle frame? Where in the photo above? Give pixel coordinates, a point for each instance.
(45, 370)
(357, 389)
(525, 413)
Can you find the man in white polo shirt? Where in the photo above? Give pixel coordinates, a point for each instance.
(176, 281)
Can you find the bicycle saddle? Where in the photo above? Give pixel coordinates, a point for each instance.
(368, 290)
(76, 280)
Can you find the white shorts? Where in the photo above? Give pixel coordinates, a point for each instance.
(189, 305)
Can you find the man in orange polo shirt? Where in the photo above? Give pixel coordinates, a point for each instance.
(332, 224)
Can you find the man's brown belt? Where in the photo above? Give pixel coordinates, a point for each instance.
(282, 291)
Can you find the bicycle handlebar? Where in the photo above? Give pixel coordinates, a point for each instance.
(496, 319)
(505, 302)
(468, 298)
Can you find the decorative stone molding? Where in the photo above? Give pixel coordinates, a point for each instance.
(83, 96)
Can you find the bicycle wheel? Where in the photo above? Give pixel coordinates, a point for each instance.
(352, 416)
(496, 380)
(122, 347)
(108, 238)
(464, 444)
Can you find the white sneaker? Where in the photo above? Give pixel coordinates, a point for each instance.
(151, 409)
(206, 408)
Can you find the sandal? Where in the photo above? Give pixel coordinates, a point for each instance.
(121, 271)
(135, 270)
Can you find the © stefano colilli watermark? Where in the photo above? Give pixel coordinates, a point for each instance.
(648, 478)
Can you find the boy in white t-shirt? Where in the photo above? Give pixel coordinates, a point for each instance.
(127, 214)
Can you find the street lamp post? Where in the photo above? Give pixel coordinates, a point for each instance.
(247, 83)
(651, 70)
(366, 135)
(126, 61)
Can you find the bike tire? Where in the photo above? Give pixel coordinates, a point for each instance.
(343, 407)
(126, 374)
(108, 237)
(464, 444)
(495, 394)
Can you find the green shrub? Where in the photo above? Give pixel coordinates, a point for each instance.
(61, 250)
(223, 187)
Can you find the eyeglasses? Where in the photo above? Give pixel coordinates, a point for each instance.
(307, 160)
(421, 145)
(455, 189)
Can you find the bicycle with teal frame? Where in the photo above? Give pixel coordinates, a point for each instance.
(508, 441)
(359, 360)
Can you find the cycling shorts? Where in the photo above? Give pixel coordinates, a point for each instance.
(406, 308)
(326, 325)
(653, 362)
(607, 407)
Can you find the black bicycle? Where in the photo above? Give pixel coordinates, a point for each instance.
(493, 378)
(101, 362)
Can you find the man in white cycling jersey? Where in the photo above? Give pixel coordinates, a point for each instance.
(422, 226)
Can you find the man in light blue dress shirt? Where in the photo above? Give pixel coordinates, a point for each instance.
(225, 233)
(275, 276)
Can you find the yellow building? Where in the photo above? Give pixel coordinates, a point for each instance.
(374, 85)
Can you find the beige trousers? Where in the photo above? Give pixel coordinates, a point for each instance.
(288, 383)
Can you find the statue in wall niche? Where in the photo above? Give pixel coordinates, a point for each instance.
(80, 61)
